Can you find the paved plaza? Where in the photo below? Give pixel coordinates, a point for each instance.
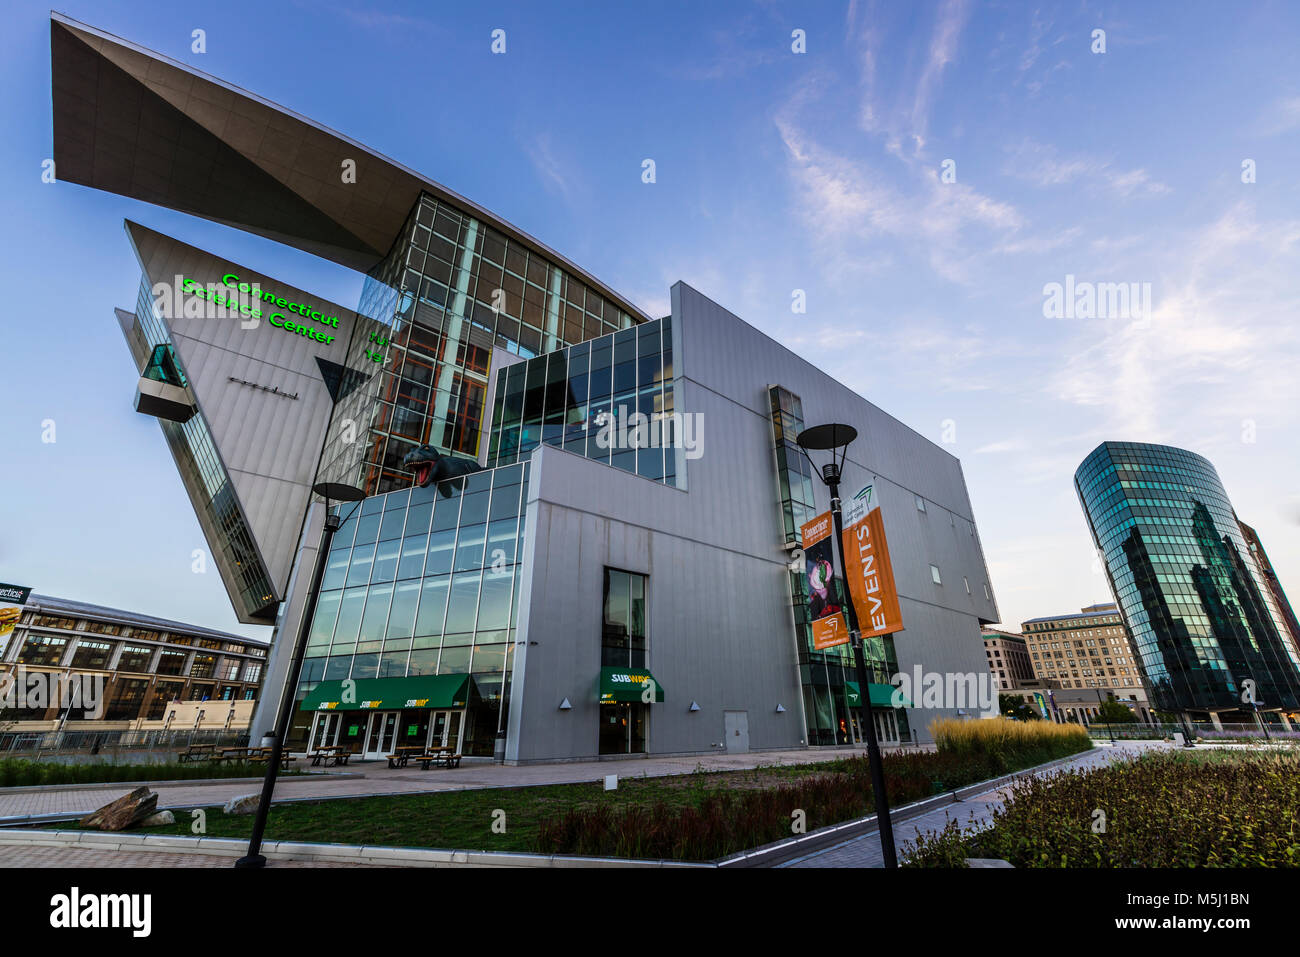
(864, 851)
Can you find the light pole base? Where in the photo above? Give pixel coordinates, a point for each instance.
(251, 860)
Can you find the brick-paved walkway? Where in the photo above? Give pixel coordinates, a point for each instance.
(864, 851)
(380, 779)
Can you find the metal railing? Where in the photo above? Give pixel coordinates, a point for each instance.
(1205, 730)
(36, 744)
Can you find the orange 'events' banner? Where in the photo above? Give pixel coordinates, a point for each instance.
(871, 576)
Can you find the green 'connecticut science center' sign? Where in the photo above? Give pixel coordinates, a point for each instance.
(242, 296)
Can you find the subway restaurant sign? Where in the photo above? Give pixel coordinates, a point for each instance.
(629, 685)
(246, 300)
(389, 694)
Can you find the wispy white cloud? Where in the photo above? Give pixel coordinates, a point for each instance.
(1043, 165)
(549, 169)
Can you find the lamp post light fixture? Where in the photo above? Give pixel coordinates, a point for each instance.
(339, 493)
(835, 438)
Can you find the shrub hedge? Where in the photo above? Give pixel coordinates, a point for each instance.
(725, 822)
(1165, 809)
(15, 772)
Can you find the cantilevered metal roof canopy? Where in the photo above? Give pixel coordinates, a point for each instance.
(133, 122)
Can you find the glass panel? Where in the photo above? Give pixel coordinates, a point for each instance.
(463, 602)
(376, 613)
(411, 564)
(401, 620)
(349, 622)
(494, 602)
(386, 555)
(433, 606)
(359, 570)
(441, 549)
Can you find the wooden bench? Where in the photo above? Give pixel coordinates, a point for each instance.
(440, 758)
(398, 760)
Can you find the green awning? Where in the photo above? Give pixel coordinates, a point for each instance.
(627, 684)
(390, 694)
(882, 696)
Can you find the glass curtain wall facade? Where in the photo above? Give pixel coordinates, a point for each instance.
(451, 290)
(824, 675)
(423, 582)
(565, 398)
(196, 453)
(1202, 618)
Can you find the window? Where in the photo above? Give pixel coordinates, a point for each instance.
(623, 636)
(920, 504)
(134, 658)
(966, 584)
(91, 655)
(934, 574)
(42, 650)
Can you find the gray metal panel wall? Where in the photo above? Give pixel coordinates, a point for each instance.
(718, 615)
(269, 444)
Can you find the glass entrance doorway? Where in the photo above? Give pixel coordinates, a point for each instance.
(381, 735)
(444, 729)
(622, 728)
(325, 730)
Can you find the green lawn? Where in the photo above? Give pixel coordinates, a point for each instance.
(463, 820)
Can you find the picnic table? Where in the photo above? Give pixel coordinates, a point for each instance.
(402, 755)
(258, 755)
(197, 752)
(443, 755)
(331, 752)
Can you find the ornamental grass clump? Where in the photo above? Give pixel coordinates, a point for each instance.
(1007, 744)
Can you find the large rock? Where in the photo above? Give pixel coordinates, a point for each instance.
(159, 819)
(126, 811)
(244, 804)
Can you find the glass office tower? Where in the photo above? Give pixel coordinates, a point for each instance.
(1204, 621)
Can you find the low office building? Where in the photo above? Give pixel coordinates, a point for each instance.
(1089, 649)
(150, 673)
(1008, 657)
(621, 573)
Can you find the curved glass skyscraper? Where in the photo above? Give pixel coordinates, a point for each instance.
(1210, 633)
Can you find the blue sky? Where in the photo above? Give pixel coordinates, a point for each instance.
(776, 172)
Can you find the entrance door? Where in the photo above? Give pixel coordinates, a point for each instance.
(325, 729)
(444, 729)
(737, 731)
(382, 736)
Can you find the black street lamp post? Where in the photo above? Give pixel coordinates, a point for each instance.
(832, 438)
(1109, 730)
(340, 493)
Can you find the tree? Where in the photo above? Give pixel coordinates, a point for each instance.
(1013, 706)
(1112, 712)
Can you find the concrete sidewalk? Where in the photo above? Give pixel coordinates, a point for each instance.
(26, 805)
(977, 810)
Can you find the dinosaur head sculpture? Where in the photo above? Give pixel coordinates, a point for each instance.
(432, 467)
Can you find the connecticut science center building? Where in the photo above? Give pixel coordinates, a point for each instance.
(639, 494)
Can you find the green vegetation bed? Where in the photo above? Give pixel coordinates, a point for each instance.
(700, 816)
(1165, 809)
(19, 773)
